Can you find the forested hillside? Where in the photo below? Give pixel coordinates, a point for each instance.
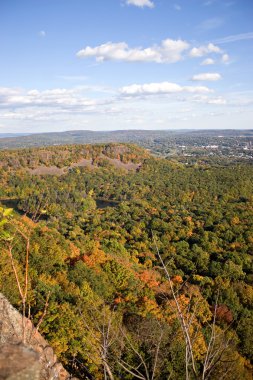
(189, 144)
(131, 266)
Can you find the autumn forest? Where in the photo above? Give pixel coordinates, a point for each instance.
(132, 266)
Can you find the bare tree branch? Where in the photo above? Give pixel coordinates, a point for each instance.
(184, 327)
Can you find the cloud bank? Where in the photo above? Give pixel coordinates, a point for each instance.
(55, 98)
(167, 52)
(161, 88)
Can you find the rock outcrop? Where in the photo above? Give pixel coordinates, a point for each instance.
(25, 356)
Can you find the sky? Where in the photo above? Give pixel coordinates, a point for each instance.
(125, 64)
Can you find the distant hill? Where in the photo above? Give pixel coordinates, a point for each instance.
(7, 135)
(81, 137)
(143, 138)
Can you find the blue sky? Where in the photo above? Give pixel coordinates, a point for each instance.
(125, 64)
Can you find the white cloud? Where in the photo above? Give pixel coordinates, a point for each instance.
(58, 98)
(42, 33)
(225, 58)
(204, 50)
(161, 88)
(208, 61)
(59, 105)
(6, 91)
(206, 77)
(141, 3)
(168, 51)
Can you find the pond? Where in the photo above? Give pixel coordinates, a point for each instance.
(103, 203)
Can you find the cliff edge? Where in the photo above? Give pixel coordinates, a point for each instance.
(25, 359)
